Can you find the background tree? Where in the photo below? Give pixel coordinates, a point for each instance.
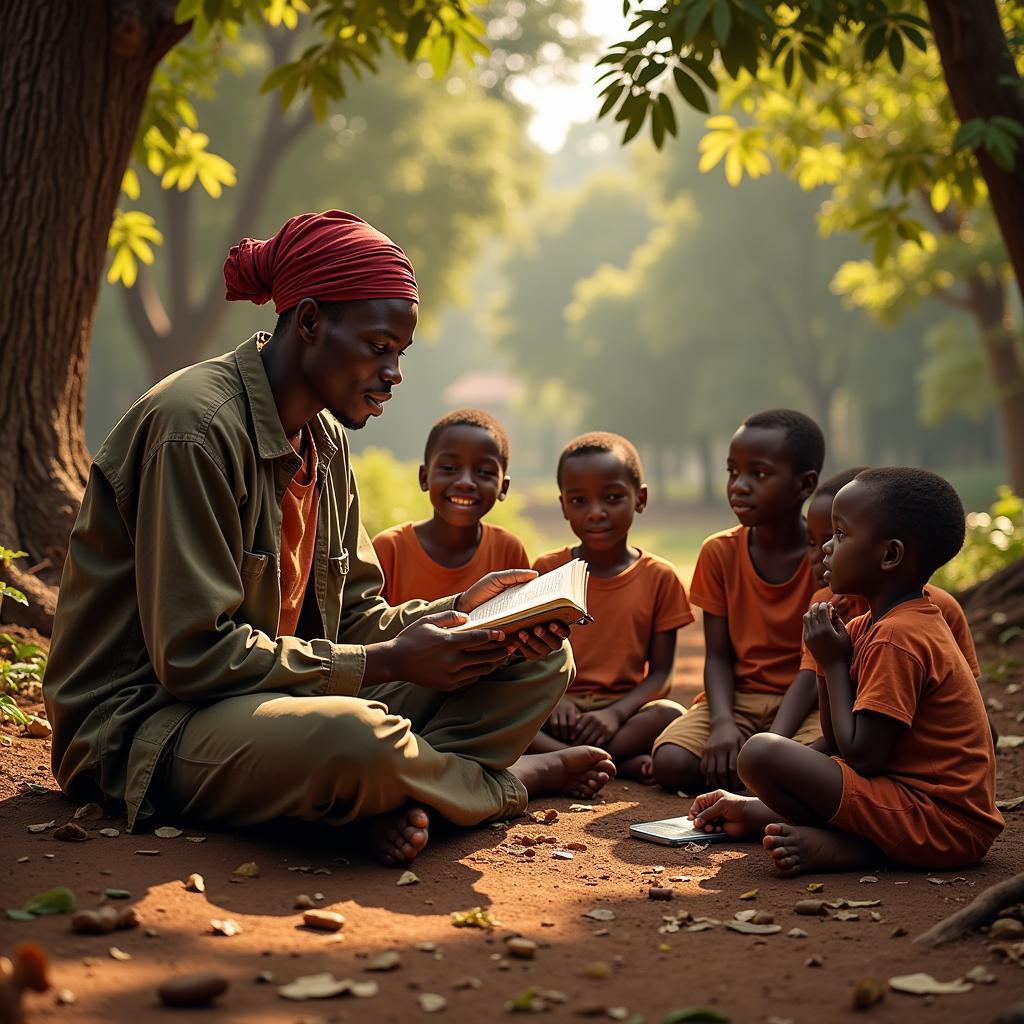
(830, 93)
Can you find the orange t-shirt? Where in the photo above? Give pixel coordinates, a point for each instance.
(907, 666)
(298, 536)
(628, 609)
(409, 572)
(852, 605)
(765, 620)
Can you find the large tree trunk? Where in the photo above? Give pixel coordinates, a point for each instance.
(983, 83)
(73, 80)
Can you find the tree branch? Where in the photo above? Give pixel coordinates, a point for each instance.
(980, 911)
(146, 313)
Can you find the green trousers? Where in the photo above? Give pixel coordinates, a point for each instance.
(253, 759)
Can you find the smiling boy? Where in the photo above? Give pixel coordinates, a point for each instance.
(753, 582)
(912, 772)
(624, 659)
(465, 471)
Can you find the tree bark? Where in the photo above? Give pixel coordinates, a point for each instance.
(983, 83)
(73, 81)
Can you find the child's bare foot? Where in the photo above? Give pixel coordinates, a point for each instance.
(742, 817)
(399, 835)
(800, 848)
(640, 768)
(574, 771)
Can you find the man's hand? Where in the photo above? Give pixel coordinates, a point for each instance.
(596, 728)
(562, 721)
(718, 762)
(532, 644)
(427, 652)
(826, 636)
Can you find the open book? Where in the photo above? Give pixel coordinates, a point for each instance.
(560, 595)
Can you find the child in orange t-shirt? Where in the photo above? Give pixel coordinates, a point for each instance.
(465, 471)
(912, 772)
(624, 658)
(753, 582)
(802, 696)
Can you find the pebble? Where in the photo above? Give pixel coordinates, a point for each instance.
(810, 907)
(323, 920)
(71, 833)
(304, 902)
(524, 949)
(597, 970)
(94, 922)
(195, 883)
(659, 892)
(192, 989)
(1006, 928)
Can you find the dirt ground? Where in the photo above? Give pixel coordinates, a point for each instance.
(746, 978)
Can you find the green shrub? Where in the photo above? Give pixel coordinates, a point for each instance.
(21, 665)
(389, 493)
(994, 540)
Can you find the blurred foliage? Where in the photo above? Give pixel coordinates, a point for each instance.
(389, 494)
(994, 540)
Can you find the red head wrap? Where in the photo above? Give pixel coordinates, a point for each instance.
(334, 256)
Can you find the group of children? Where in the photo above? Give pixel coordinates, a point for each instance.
(839, 686)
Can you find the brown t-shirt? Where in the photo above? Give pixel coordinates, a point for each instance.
(907, 666)
(628, 609)
(765, 620)
(850, 606)
(409, 572)
(298, 535)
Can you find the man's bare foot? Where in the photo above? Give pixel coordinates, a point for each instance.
(742, 817)
(796, 849)
(640, 768)
(574, 771)
(399, 835)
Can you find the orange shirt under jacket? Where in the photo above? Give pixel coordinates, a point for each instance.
(766, 620)
(907, 666)
(409, 572)
(298, 536)
(628, 609)
(850, 606)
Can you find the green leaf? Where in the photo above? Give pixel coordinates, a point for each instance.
(636, 122)
(441, 54)
(690, 90)
(657, 128)
(19, 915)
(695, 18)
(187, 10)
(613, 94)
(415, 34)
(897, 52)
(721, 21)
(54, 901)
(874, 43)
(668, 113)
(36, 787)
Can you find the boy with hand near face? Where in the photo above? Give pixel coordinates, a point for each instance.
(802, 696)
(754, 582)
(624, 659)
(465, 471)
(912, 772)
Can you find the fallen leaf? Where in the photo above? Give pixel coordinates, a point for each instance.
(797, 933)
(937, 881)
(117, 894)
(925, 985)
(426, 947)
(408, 878)
(1008, 742)
(846, 915)
(431, 1002)
(195, 883)
(59, 900)
(110, 833)
(250, 869)
(36, 787)
(980, 976)
(195, 839)
(475, 917)
(868, 880)
(680, 878)
(528, 1001)
(561, 855)
(618, 1012)
(38, 728)
(600, 914)
(386, 961)
(42, 827)
(1011, 804)
(751, 895)
(749, 928)
(166, 832)
(582, 807)
(700, 926)
(875, 915)
(744, 915)
(119, 954)
(815, 886)
(227, 927)
(147, 853)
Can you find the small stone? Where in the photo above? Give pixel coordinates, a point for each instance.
(1006, 928)
(980, 976)
(597, 971)
(38, 728)
(71, 833)
(119, 954)
(264, 978)
(195, 883)
(166, 832)
(147, 853)
(468, 983)
(426, 947)
(110, 833)
(192, 989)
(94, 922)
(227, 927)
(868, 880)
(64, 997)
(386, 961)
(323, 920)
(521, 948)
(763, 917)
(431, 1002)
(810, 908)
(89, 812)
(407, 878)
(866, 993)
(303, 902)
(561, 855)
(814, 961)
(23, 860)
(250, 869)
(797, 933)
(898, 932)
(659, 892)
(318, 897)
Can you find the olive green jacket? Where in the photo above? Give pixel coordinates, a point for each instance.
(170, 596)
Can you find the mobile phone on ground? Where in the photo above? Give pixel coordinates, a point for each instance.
(674, 832)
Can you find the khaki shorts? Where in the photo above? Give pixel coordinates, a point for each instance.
(753, 712)
(597, 700)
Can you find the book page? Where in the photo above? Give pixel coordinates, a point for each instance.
(537, 592)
